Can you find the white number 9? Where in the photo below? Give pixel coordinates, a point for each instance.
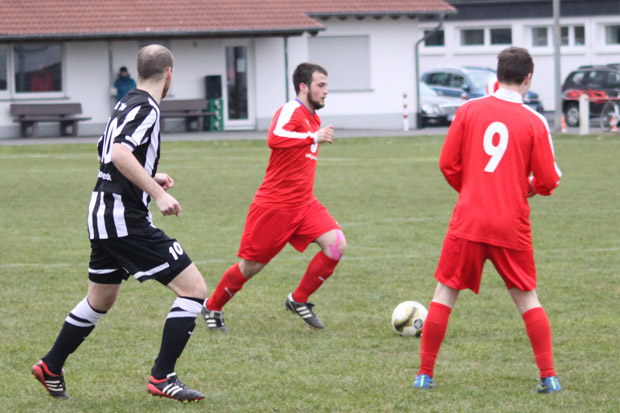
(495, 151)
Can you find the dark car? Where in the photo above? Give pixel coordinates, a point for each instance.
(435, 109)
(598, 82)
(468, 82)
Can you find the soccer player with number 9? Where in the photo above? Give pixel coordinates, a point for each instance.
(492, 148)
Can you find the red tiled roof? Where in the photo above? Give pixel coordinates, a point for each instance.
(126, 18)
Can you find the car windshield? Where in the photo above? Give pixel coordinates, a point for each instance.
(480, 79)
(426, 91)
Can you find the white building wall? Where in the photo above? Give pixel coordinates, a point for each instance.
(391, 74)
(87, 81)
(269, 78)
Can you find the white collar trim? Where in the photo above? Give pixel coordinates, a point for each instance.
(509, 95)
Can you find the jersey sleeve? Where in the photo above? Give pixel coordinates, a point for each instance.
(546, 172)
(135, 129)
(290, 130)
(450, 158)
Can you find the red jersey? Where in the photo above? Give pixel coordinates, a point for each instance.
(293, 139)
(492, 146)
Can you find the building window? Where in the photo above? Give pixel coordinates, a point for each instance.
(540, 37)
(501, 36)
(573, 36)
(486, 37)
(612, 35)
(580, 35)
(434, 40)
(38, 68)
(347, 71)
(564, 36)
(472, 37)
(3, 69)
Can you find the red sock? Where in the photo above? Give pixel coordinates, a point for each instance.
(319, 270)
(229, 285)
(539, 332)
(433, 332)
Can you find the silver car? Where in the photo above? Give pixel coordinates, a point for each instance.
(435, 109)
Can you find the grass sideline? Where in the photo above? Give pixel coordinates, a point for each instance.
(394, 207)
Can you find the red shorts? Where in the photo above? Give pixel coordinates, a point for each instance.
(461, 262)
(268, 230)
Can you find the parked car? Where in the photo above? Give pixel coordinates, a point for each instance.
(598, 82)
(435, 109)
(468, 82)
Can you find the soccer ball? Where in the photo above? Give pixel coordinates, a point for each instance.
(408, 318)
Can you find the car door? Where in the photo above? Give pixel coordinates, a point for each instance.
(439, 82)
(456, 83)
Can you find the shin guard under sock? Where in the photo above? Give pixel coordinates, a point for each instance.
(229, 285)
(319, 270)
(78, 325)
(433, 333)
(539, 331)
(178, 329)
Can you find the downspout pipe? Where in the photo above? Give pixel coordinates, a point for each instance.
(286, 87)
(418, 118)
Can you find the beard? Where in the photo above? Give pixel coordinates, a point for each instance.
(315, 103)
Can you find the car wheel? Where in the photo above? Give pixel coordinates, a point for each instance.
(572, 115)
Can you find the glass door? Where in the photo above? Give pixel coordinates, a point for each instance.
(237, 108)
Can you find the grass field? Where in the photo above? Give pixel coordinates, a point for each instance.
(394, 206)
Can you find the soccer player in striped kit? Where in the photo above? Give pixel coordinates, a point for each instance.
(285, 209)
(493, 146)
(124, 240)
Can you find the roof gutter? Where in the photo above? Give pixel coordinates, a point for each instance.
(297, 31)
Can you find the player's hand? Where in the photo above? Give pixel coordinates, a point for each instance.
(326, 134)
(168, 205)
(531, 192)
(164, 180)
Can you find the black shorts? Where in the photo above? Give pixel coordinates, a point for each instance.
(152, 255)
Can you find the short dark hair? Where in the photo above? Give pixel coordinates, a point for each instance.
(513, 65)
(153, 61)
(303, 74)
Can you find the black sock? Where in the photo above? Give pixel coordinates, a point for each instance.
(78, 325)
(68, 340)
(177, 332)
(178, 329)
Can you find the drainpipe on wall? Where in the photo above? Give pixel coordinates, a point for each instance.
(418, 118)
(111, 71)
(557, 62)
(285, 69)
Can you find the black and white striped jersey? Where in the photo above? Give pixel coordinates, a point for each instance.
(118, 207)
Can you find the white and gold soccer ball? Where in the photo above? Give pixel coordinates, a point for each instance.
(408, 318)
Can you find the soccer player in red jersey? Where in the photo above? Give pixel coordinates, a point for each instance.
(492, 147)
(285, 209)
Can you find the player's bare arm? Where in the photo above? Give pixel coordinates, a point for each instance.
(129, 166)
(326, 134)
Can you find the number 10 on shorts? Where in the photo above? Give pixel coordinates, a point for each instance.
(175, 250)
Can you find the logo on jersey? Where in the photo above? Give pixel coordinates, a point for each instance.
(105, 176)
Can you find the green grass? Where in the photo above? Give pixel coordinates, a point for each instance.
(394, 206)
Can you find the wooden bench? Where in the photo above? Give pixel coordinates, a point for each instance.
(30, 115)
(192, 110)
